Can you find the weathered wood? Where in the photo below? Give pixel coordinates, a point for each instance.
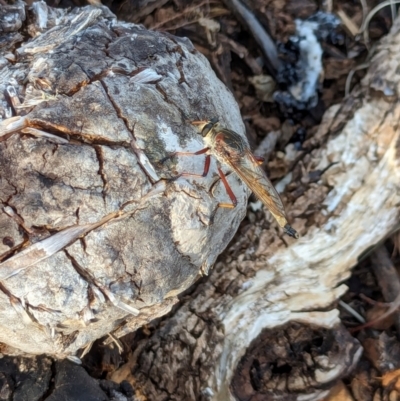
(264, 325)
(92, 227)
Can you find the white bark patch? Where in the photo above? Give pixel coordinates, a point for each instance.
(362, 208)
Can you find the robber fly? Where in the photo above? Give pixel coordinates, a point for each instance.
(231, 149)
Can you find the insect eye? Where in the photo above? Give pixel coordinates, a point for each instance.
(209, 126)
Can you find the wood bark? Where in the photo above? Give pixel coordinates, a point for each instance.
(97, 235)
(264, 325)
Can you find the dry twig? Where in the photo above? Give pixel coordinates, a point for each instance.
(265, 42)
(387, 278)
(389, 283)
(185, 12)
(348, 22)
(364, 28)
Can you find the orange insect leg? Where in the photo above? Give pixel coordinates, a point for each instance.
(205, 171)
(228, 191)
(259, 159)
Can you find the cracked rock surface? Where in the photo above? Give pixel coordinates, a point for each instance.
(95, 237)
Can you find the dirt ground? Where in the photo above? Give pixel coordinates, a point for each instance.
(239, 62)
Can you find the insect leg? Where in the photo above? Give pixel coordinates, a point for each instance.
(228, 191)
(198, 122)
(205, 171)
(214, 120)
(171, 155)
(259, 159)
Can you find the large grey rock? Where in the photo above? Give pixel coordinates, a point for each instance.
(91, 225)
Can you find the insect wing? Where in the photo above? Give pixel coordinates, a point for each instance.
(253, 176)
